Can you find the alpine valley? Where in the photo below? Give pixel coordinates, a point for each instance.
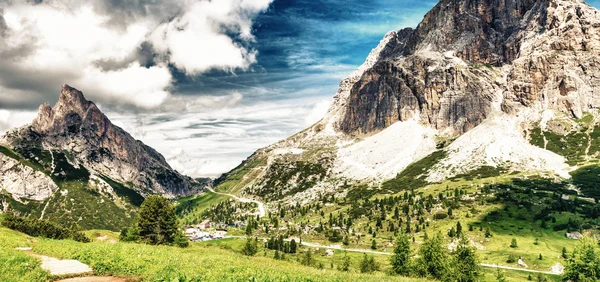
(477, 133)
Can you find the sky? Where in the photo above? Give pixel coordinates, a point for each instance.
(206, 83)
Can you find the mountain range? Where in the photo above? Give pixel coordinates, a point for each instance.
(478, 89)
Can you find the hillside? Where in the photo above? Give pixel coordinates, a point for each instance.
(491, 88)
(73, 166)
(483, 119)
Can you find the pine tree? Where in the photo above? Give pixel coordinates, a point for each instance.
(465, 262)
(345, 263)
(433, 258)
(374, 245)
(293, 246)
(250, 248)
(564, 253)
(157, 222)
(458, 228)
(540, 258)
(401, 259)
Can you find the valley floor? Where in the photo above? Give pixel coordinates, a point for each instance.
(206, 261)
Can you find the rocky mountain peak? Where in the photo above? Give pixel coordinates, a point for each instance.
(77, 125)
(468, 59)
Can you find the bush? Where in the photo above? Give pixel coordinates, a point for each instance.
(250, 248)
(440, 216)
(511, 258)
(368, 264)
(42, 228)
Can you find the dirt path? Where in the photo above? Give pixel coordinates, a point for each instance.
(94, 279)
(261, 205)
(60, 267)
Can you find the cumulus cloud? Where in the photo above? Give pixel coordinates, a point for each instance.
(197, 40)
(119, 52)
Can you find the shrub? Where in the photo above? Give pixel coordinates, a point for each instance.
(511, 258)
(42, 228)
(368, 264)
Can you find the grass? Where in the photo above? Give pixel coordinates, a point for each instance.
(235, 180)
(190, 209)
(412, 176)
(200, 262)
(16, 265)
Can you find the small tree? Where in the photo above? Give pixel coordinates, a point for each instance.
(488, 233)
(276, 256)
(433, 258)
(537, 241)
(500, 275)
(513, 243)
(540, 257)
(466, 265)
(368, 264)
(584, 262)
(374, 245)
(564, 253)
(293, 246)
(307, 259)
(250, 248)
(345, 263)
(401, 259)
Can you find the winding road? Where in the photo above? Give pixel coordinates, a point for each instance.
(261, 205)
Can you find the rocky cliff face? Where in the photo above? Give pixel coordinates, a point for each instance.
(472, 88)
(78, 128)
(465, 57)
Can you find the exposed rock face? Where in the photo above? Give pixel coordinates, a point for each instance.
(79, 127)
(22, 181)
(466, 57)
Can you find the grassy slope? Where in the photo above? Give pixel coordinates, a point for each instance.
(190, 208)
(17, 266)
(210, 261)
(76, 202)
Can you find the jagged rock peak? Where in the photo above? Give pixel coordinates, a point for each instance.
(71, 110)
(468, 59)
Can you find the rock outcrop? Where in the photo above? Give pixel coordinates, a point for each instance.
(22, 181)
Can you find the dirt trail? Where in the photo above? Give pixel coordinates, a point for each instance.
(93, 279)
(60, 267)
(261, 205)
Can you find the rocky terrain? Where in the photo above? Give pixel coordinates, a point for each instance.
(74, 145)
(475, 86)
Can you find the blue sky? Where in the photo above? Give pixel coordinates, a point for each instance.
(205, 83)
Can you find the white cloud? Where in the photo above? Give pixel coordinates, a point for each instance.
(12, 119)
(72, 37)
(318, 112)
(196, 41)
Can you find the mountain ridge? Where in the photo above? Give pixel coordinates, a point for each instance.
(421, 90)
(74, 149)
